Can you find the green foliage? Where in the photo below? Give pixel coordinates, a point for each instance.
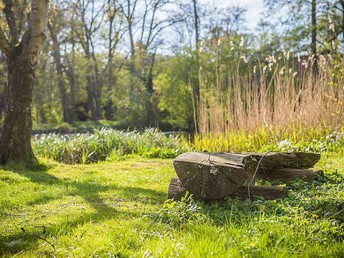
(294, 139)
(333, 142)
(174, 90)
(107, 144)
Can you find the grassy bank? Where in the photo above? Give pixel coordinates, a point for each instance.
(114, 145)
(296, 138)
(108, 144)
(120, 210)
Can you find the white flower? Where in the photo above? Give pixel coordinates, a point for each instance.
(242, 42)
(304, 63)
(219, 42)
(285, 145)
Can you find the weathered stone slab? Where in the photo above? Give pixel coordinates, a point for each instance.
(273, 160)
(209, 176)
(216, 176)
(176, 190)
(250, 160)
(289, 174)
(267, 192)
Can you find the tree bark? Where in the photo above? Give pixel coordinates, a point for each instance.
(15, 139)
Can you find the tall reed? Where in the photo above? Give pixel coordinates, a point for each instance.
(281, 94)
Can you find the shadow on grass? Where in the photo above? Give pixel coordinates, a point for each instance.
(90, 192)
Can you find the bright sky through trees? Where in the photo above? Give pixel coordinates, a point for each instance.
(254, 8)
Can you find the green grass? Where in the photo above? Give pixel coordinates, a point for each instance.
(295, 138)
(120, 210)
(108, 144)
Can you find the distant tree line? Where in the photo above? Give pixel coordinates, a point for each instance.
(141, 62)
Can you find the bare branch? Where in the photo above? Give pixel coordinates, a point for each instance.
(169, 24)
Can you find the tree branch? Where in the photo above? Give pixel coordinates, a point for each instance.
(4, 44)
(11, 21)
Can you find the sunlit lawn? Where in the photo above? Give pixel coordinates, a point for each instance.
(117, 210)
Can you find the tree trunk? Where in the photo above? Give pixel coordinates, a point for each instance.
(71, 78)
(56, 53)
(15, 141)
(196, 22)
(196, 95)
(132, 68)
(90, 91)
(149, 89)
(314, 38)
(342, 4)
(98, 88)
(62, 87)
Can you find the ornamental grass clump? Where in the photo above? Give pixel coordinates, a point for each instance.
(107, 144)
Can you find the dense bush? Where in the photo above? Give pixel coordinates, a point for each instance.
(107, 144)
